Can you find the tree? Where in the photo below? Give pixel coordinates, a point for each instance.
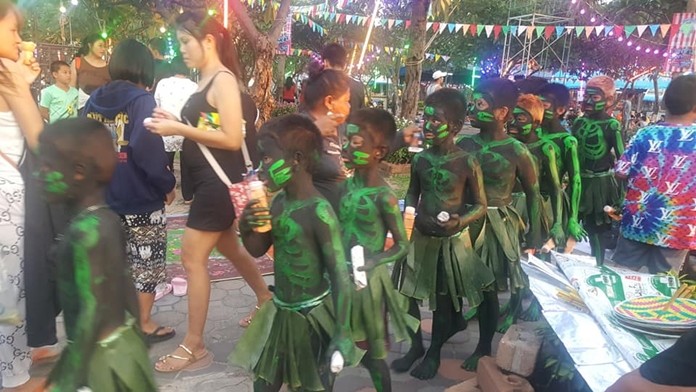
(414, 59)
(264, 46)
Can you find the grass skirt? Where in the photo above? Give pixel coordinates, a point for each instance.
(497, 241)
(463, 274)
(519, 203)
(370, 306)
(119, 363)
(598, 190)
(290, 344)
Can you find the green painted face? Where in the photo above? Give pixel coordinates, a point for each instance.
(595, 100)
(279, 174)
(54, 184)
(429, 111)
(549, 108)
(483, 106)
(358, 147)
(436, 126)
(521, 124)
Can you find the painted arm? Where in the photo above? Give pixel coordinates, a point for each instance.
(327, 234)
(91, 258)
(618, 147)
(557, 232)
(574, 228)
(394, 222)
(527, 174)
(255, 216)
(413, 192)
(477, 193)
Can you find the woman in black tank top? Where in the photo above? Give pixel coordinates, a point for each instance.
(211, 117)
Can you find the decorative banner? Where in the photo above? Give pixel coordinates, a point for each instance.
(681, 57)
(477, 30)
(285, 39)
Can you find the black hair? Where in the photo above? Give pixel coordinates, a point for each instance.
(680, 95)
(378, 122)
(87, 42)
(289, 82)
(503, 91)
(453, 103)
(55, 66)
(132, 61)
(178, 67)
(200, 24)
(559, 92)
(294, 133)
(335, 54)
(531, 85)
(84, 137)
(158, 44)
(7, 7)
(323, 83)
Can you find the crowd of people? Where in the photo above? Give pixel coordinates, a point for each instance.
(101, 142)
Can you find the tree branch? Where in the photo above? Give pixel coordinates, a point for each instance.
(279, 22)
(248, 26)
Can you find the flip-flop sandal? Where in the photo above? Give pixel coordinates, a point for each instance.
(180, 286)
(44, 354)
(191, 363)
(246, 321)
(154, 337)
(159, 294)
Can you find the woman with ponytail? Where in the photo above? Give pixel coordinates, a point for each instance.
(212, 121)
(326, 101)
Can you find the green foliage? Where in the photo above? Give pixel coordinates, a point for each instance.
(281, 109)
(555, 370)
(399, 184)
(400, 157)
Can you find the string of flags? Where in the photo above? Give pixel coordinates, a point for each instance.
(495, 30)
(387, 49)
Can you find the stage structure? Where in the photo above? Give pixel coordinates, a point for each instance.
(528, 48)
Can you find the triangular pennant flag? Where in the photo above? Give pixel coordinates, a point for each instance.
(641, 29)
(664, 29)
(436, 27)
(513, 30)
(505, 29)
(588, 31)
(450, 27)
(437, 57)
(342, 18)
(458, 27)
(521, 30)
(548, 32)
(653, 29)
(390, 23)
(428, 26)
(479, 29)
(399, 22)
(618, 30)
(569, 29)
(489, 30)
(465, 29)
(446, 58)
(599, 30)
(687, 28)
(530, 32)
(332, 16)
(629, 30)
(408, 23)
(559, 30)
(539, 30)
(608, 29)
(442, 27)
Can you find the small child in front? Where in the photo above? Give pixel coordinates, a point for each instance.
(105, 349)
(368, 210)
(295, 336)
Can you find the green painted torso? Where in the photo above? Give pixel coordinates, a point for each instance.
(595, 141)
(360, 217)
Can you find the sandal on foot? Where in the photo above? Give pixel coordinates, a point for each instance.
(190, 363)
(155, 337)
(246, 321)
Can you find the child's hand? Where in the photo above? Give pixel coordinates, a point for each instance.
(342, 343)
(161, 113)
(452, 225)
(254, 216)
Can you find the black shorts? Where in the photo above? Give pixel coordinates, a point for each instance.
(634, 255)
(211, 209)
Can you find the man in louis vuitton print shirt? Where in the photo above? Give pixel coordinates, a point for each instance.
(658, 226)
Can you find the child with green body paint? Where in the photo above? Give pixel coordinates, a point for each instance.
(368, 210)
(105, 350)
(442, 266)
(294, 335)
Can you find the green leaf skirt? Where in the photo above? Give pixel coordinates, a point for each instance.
(443, 265)
(598, 190)
(372, 304)
(497, 241)
(290, 345)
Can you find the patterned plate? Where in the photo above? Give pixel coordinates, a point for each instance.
(649, 310)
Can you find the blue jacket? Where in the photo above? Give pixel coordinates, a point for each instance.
(142, 179)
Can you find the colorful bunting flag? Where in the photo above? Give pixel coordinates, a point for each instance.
(489, 30)
(653, 29)
(664, 29)
(599, 30)
(641, 29)
(629, 30)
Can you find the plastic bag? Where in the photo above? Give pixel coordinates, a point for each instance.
(9, 311)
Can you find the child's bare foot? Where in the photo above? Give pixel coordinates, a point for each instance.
(404, 363)
(428, 367)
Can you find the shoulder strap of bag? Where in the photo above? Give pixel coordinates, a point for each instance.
(216, 166)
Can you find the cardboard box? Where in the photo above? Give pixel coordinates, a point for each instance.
(470, 385)
(492, 379)
(518, 350)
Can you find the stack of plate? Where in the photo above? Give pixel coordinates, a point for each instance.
(651, 315)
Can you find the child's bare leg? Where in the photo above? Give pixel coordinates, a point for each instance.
(379, 372)
(487, 318)
(416, 351)
(231, 247)
(196, 246)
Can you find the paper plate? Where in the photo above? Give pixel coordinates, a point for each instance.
(653, 333)
(651, 310)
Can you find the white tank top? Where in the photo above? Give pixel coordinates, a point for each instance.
(11, 137)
